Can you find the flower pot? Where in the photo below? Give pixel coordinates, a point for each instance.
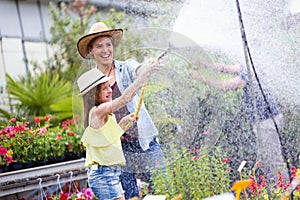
(59, 158)
(3, 169)
(40, 163)
(51, 160)
(27, 164)
(82, 154)
(70, 156)
(14, 166)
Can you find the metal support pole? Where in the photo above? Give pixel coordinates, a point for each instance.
(22, 38)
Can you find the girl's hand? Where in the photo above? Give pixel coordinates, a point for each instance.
(127, 121)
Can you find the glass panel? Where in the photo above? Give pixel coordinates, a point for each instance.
(46, 18)
(13, 57)
(36, 52)
(30, 19)
(9, 23)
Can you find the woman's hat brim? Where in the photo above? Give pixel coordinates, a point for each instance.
(84, 41)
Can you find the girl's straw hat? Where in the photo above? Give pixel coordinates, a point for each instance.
(90, 79)
(98, 29)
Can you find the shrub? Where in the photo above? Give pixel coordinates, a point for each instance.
(196, 174)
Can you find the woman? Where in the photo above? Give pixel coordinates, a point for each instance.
(101, 137)
(139, 143)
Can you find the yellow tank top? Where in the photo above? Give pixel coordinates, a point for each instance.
(103, 145)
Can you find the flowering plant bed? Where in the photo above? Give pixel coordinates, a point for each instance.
(24, 144)
(195, 174)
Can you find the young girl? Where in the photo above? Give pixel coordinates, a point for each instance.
(104, 155)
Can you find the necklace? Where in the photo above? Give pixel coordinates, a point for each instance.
(112, 65)
(106, 69)
(112, 80)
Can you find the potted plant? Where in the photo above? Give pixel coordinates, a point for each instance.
(72, 133)
(5, 159)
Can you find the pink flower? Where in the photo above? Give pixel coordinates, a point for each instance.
(37, 120)
(3, 151)
(263, 181)
(79, 194)
(196, 158)
(21, 127)
(226, 160)
(9, 129)
(88, 192)
(13, 119)
(41, 131)
(70, 121)
(8, 159)
(64, 125)
(205, 132)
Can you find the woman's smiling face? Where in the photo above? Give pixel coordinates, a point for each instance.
(103, 50)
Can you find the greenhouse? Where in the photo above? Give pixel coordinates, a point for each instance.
(213, 110)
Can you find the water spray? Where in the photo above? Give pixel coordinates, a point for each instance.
(248, 58)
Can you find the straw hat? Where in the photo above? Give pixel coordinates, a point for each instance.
(97, 29)
(90, 79)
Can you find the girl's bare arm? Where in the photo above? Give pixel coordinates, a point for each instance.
(145, 72)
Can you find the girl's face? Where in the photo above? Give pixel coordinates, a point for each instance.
(105, 93)
(103, 50)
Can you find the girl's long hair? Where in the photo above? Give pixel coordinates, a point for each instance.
(90, 99)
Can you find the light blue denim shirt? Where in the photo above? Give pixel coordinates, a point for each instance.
(125, 75)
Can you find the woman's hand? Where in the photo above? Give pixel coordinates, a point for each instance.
(152, 65)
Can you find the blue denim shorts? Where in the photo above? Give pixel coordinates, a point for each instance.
(105, 181)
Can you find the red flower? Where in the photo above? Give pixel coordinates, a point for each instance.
(59, 137)
(47, 118)
(293, 172)
(280, 182)
(37, 120)
(71, 133)
(63, 196)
